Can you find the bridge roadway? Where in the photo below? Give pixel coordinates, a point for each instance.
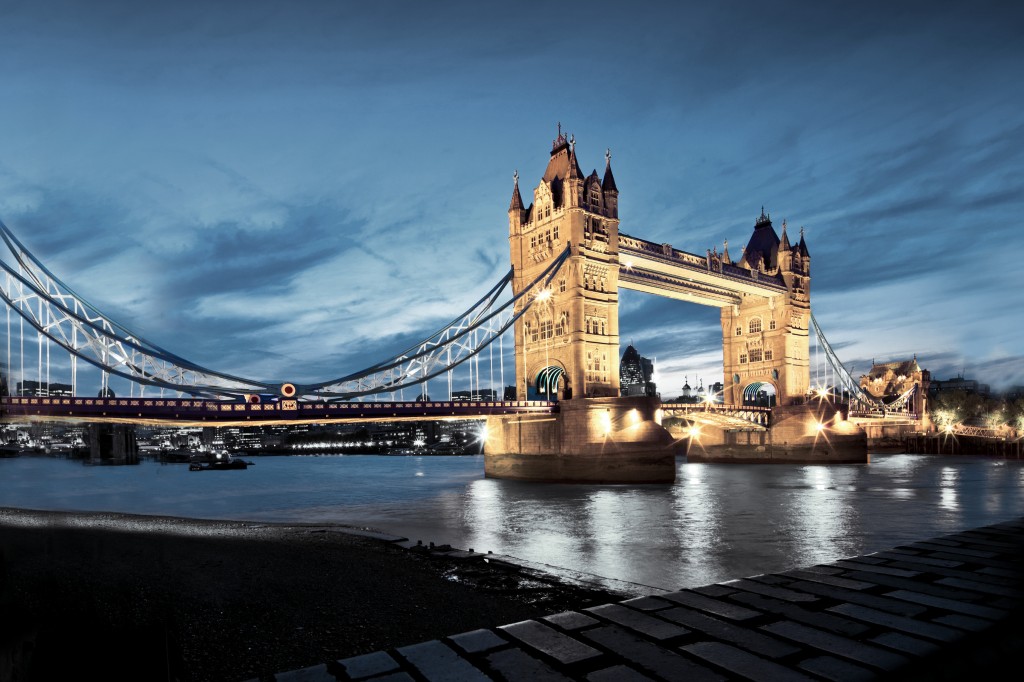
(946, 608)
(232, 413)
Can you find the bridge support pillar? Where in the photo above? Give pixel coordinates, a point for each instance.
(590, 440)
(810, 433)
(112, 444)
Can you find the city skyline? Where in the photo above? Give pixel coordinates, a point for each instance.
(294, 193)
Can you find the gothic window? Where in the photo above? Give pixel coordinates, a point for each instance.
(546, 329)
(563, 325)
(602, 327)
(743, 358)
(767, 353)
(755, 325)
(602, 283)
(771, 324)
(561, 285)
(755, 355)
(533, 241)
(547, 212)
(554, 232)
(547, 237)
(739, 331)
(531, 332)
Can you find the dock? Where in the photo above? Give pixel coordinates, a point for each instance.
(946, 608)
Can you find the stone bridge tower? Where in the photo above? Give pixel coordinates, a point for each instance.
(765, 339)
(567, 344)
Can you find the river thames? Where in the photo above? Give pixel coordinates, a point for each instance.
(715, 523)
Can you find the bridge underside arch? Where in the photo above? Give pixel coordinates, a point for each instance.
(546, 382)
(760, 393)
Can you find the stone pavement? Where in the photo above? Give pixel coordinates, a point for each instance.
(942, 609)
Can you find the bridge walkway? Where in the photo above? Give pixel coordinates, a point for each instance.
(946, 608)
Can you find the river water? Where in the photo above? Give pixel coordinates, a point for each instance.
(715, 523)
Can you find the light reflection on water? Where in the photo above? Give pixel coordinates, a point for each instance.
(718, 521)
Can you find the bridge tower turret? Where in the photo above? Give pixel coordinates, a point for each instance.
(765, 340)
(567, 344)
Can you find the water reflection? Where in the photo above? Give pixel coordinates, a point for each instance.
(715, 523)
(947, 490)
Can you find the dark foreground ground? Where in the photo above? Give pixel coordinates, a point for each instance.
(116, 597)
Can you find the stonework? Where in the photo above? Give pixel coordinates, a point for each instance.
(571, 329)
(567, 339)
(574, 327)
(887, 381)
(765, 340)
(595, 440)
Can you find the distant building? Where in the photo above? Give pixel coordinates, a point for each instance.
(479, 395)
(36, 389)
(960, 384)
(887, 381)
(713, 393)
(635, 374)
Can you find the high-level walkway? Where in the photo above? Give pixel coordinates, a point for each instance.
(948, 608)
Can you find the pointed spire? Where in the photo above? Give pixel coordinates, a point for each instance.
(517, 200)
(785, 245)
(609, 180)
(803, 244)
(574, 167)
(725, 253)
(559, 141)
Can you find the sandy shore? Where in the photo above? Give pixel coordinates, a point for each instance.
(132, 597)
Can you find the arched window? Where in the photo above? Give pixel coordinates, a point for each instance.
(563, 325)
(755, 325)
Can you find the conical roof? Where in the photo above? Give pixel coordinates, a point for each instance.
(608, 184)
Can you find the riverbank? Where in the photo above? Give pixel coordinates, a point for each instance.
(133, 597)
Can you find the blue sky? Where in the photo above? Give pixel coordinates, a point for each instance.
(292, 190)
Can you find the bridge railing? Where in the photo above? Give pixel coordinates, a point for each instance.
(184, 408)
(754, 414)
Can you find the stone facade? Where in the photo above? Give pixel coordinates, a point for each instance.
(765, 340)
(573, 327)
(887, 381)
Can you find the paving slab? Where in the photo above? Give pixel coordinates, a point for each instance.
(909, 612)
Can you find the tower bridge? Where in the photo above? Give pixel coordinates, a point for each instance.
(558, 305)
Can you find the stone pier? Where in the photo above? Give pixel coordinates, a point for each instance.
(112, 444)
(813, 433)
(590, 440)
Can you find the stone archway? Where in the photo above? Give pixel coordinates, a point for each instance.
(760, 394)
(547, 382)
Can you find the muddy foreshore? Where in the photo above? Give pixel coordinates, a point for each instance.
(139, 597)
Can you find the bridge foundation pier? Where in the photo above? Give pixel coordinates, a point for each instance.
(112, 444)
(811, 433)
(590, 440)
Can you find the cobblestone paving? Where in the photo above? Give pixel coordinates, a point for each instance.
(942, 609)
